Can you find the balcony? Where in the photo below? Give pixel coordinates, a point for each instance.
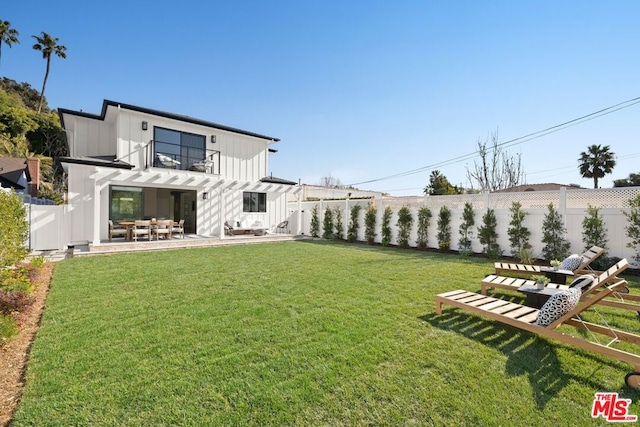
(166, 155)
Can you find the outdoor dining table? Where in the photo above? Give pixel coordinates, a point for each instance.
(129, 225)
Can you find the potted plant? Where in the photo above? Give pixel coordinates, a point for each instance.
(540, 280)
(555, 264)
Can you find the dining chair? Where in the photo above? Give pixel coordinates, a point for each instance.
(178, 228)
(141, 228)
(163, 227)
(116, 231)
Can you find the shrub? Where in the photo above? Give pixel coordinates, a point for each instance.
(444, 228)
(386, 225)
(14, 301)
(553, 231)
(488, 235)
(315, 222)
(465, 230)
(337, 223)
(405, 221)
(518, 233)
(327, 224)
(352, 232)
(13, 229)
(594, 232)
(424, 215)
(8, 329)
(370, 223)
(526, 255)
(633, 229)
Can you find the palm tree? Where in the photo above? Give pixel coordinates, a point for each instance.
(48, 45)
(596, 162)
(8, 35)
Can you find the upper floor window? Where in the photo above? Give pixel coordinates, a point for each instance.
(254, 202)
(182, 148)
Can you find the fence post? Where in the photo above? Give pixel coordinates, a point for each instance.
(562, 204)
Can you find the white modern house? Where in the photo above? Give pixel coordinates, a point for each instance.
(131, 162)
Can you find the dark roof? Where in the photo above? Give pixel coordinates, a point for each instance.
(96, 161)
(274, 180)
(538, 187)
(106, 103)
(11, 170)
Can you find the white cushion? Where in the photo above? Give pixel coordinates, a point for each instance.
(571, 263)
(582, 282)
(558, 305)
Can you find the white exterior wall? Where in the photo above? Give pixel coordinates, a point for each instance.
(243, 163)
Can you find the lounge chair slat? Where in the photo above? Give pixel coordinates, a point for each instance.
(529, 318)
(505, 308)
(523, 310)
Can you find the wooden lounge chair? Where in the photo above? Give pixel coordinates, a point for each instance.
(620, 298)
(524, 317)
(528, 269)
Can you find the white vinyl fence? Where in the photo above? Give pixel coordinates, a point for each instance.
(571, 204)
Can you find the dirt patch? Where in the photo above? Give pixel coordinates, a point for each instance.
(15, 354)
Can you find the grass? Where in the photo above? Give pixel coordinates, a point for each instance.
(296, 333)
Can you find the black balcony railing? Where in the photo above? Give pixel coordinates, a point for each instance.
(180, 157)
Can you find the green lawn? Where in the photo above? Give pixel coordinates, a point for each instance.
(295, 333)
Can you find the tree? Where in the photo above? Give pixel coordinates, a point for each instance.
(465, 231)
(386, 225)
(315, 222)
(352, 231)
(8, 35)
(632, 181)
(518, 233)
(440, 185)
(496, 170)
(633, 229)
(327, 224)
(424, 215)
(329, 181)
(13, 231)
(553, 236)
(488, 235)
(48, 45)
(337, 223)
(404, 223)
(29, 95)
(596, 162)
(370, 223)
(594, 233)
(444, 228)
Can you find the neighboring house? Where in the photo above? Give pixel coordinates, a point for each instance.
(23, 175)
(131, 162)
(539, 187)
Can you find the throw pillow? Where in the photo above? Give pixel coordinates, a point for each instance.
(558, 305)
(582, 282)
(571, 263)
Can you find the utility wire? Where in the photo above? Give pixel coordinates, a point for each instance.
(515, 141)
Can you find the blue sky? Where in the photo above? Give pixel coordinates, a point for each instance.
(358, 90)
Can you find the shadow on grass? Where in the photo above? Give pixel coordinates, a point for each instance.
(526, 353)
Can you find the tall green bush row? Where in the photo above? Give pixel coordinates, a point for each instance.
(404, 224)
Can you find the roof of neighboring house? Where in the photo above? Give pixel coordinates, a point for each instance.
(11, 170)
(539, 187)
(106, 103)
(108, 161)
(274, 180)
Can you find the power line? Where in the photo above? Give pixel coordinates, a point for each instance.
(516, 141)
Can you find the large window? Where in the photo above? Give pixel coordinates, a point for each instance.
(186, 148)
(125, 203)
(254, 202)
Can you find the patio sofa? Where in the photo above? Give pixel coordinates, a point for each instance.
(235, 228)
